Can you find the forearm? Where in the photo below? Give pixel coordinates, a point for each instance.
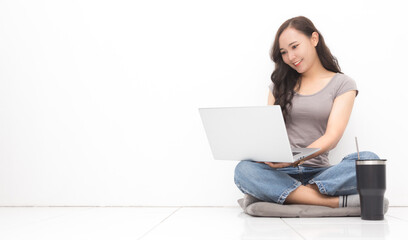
(325, 143)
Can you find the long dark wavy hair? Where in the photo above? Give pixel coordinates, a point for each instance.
(284, 77)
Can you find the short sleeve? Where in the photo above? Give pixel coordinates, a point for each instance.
(346, 84)
(271, 87)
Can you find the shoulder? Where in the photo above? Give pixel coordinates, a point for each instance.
(344, 83)
(343, 78)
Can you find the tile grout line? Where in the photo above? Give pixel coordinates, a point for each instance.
(395, 217)
(293, 229)
(155, 226)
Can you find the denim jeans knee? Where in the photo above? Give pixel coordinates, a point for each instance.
(365, 155)
(264, 182)
(244, 172)
(341, 179)
(240, 172)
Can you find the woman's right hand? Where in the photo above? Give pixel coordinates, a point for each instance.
(278, 164)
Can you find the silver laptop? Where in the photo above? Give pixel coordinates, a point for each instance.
(250, 133)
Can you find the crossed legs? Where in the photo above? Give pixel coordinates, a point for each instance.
(310, 195)
(275, 185)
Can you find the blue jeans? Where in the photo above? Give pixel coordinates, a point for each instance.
(275, 184)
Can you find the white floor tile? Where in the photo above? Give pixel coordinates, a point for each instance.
(220, 223)
(339, 220)
(187, 223)
(95, 223)
(348, 228)
(15, 217)
(398, 212)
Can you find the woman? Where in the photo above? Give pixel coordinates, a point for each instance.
(316, 99)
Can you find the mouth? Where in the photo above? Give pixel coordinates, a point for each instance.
(297, 63)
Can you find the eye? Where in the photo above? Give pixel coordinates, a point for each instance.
(295, 46)
(283, 52)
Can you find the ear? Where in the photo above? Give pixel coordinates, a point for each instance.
(315, 38)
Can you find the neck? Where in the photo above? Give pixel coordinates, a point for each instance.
(316, 71)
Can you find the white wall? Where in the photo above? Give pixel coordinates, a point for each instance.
(98, 99)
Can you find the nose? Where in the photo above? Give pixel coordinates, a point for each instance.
(292, 56)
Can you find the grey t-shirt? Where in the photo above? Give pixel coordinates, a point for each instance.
(310, 114)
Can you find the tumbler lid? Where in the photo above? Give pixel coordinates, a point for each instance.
(371, 162)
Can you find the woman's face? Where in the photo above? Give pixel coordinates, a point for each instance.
(298, 50)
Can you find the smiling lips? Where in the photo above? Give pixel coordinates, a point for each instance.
(297, 63)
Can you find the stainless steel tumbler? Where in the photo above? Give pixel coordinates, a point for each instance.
(371, 187)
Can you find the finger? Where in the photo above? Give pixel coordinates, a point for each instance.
(276, 165)
(270, 164)
(295, 164)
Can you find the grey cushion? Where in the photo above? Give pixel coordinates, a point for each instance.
(255, 207)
